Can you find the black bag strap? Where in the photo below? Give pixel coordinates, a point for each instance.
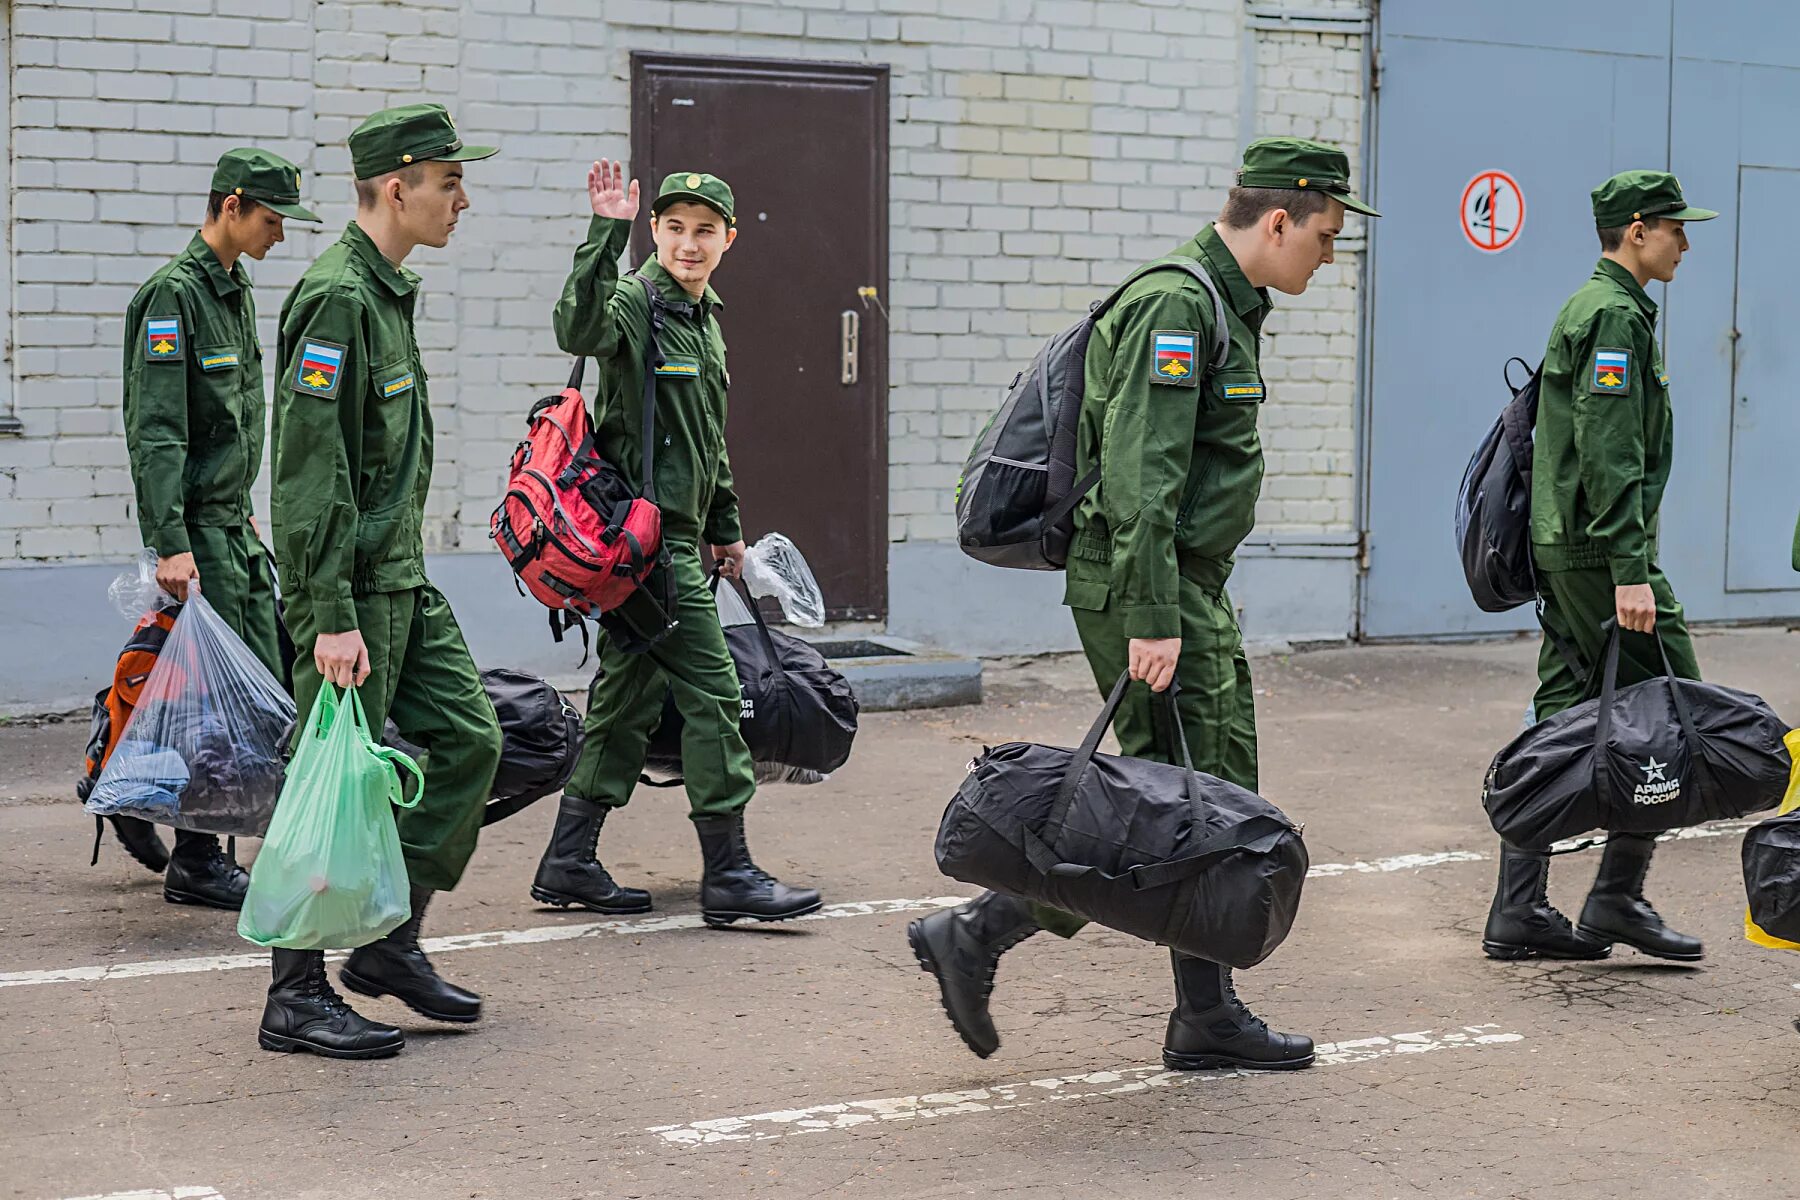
(1259, 832)
(762, 626)
(1052, 828)
(653, 359)
(1221, 334)
(1609, 685)
(1564, 647)
(1221, 349)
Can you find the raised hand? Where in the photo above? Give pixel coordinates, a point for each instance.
(609, 193)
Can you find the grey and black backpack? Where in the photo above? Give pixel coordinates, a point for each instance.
(1016, 498)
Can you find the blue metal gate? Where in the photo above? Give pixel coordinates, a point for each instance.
(1559, 96)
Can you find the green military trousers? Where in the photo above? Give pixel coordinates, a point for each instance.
(237, 582)
(1576, 605)
(420, 675)
(625, 703)
(1216, 700)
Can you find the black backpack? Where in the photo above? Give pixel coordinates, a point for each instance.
(1016, 498)
(1493, 506)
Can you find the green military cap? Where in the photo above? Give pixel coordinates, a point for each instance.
(699, 187)
(398, 137)
(1633, 195)
(1289, 162)
(269, 179)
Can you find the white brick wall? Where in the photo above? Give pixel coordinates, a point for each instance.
(1039, 149)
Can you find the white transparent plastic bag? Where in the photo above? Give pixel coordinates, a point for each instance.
(774, 567)
(203, 748)
(135, 591)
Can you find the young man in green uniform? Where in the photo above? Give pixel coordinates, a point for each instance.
(1604, 443)
(353, 457)
(1181, 468)
(693, 222)
(194, 427)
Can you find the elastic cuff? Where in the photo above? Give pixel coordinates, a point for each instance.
(1151, 621)
(1628, 571)
(169, 541)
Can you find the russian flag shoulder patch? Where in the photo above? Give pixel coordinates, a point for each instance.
(319, 368)
(1172, 357)
(162, 339)
(1612, 371)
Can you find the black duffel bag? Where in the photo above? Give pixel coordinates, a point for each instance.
(1163, 852)
(798, 715)
(1658, 755)
(1772, 875)
(540, 739)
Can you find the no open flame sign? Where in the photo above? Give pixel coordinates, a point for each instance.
(1493, 211)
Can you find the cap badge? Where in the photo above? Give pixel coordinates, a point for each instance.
(693, 181)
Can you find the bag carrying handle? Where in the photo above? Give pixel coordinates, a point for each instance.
(762, 626)
(348, 701)
(1609, 682)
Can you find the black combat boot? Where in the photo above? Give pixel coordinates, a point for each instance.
(734, 888)
(304, 1013)
(396, 966)
(202, 873)
(962, 946)
(570, 873)
(1616, 910)
(140, 839)
(1521, 923)
(1210, 1027)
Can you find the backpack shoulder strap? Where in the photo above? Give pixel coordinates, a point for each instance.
(1221, 333)
(653, 358)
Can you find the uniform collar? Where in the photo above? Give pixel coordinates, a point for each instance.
(1626, 282)
(399, 280)
(224, 283)
(672, 289)
(1245, 300)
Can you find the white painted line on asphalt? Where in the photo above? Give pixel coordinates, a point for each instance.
(830, 1118)
(462, 941)
(180, 1193)
(1414, 862)
(540, 934)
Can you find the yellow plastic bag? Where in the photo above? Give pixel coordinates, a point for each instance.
(1752, 931)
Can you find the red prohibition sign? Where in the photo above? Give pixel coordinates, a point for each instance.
(1493, 211)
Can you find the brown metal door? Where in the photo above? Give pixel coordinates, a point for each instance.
(804, 148)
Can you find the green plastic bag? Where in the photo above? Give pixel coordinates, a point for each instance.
(330, 875)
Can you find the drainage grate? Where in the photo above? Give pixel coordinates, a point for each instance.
(862, 648)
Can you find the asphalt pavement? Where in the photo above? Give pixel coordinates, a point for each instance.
(652, 1057)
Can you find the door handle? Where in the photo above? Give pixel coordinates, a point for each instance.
(849, 342)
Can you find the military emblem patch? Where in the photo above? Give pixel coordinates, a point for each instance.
(218, 361)
(1611, 371)
(162, 339)
(401, 383)
(679, 368)
(319, 369)
(1662, 378)
(1172, 357)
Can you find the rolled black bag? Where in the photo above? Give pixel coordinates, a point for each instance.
(1163, 852)
(540, 739)
(1658, 755)
(1772, 875)
(798, 715)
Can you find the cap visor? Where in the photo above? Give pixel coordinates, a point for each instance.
(667, 198)
(1688, 214)
(298, 212)
(469, 154)
(1353, 204)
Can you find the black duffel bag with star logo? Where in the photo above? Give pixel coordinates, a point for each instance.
(1658, 755)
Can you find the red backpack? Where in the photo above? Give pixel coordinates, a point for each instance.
(578, 537)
